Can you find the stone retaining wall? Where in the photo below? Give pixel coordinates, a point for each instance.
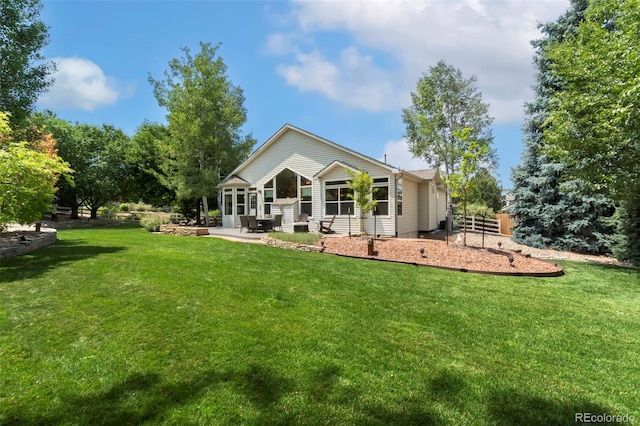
(16, 246)
(289, 245)
(193, 231)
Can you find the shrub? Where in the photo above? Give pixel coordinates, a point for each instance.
(124, 207)
(477, 209)
(152, 223)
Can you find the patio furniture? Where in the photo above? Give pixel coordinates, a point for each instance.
(244, 223)
(301, 227)
(303, 217)
(277, 222)
(326, 229)
(266, 224)
(254, 226)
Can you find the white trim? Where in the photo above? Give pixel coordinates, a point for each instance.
(287, 127)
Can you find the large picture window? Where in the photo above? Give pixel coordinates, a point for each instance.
(289, 184)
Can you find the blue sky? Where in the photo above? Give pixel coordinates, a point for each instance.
(340, 69)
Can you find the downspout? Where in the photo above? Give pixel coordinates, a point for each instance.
(395, 203)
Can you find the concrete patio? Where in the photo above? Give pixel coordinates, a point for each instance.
(234, 234)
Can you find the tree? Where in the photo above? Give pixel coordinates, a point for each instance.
(144, 158)
(28, 174)
(484, 189)
(205, 115)
(24, 73)
(444, 103)
(594, 122)
(551, 211)
(71, 149)
(460, 181)
(102, 176)
(360, 183)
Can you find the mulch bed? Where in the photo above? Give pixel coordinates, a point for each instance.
(439, 254)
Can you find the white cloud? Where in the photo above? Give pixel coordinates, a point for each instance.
(353, 81)
(398, 155)
(79, 84)
(281, 43)
(490, 39)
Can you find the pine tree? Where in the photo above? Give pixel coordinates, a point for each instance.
(550, 211)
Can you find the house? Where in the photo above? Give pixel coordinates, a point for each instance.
(296, 172)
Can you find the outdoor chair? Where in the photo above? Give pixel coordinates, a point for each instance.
(244, 223)
(303, 217)
(277, 222)
(253, 224)
(326, 229)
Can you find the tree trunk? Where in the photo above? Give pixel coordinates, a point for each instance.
(94, 212)
(74, 211)
(205, 208)
(465, 216)
(449, 210)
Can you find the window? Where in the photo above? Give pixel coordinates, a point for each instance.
(289, 184)
(228, 201)
(337, 199)
(380, 193)
(399, 197)
(240, 201)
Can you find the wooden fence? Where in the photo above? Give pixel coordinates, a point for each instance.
(477, 223)
(507, 223)
(502, 224)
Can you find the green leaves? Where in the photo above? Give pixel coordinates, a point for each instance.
(24, 73)
(27, 178)
(445, 103)
(205, 114)
(360, 182)
(594, 125)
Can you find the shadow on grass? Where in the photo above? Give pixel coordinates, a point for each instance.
(145, 397)
(40, 261)
(515, 408)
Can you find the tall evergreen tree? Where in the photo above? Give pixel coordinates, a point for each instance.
(550, 211)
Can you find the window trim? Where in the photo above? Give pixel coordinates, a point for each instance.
(272, 185)
(338, 185)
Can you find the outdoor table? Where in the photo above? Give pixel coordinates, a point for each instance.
(266, 224)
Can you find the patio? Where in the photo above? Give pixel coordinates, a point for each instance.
(234, 234)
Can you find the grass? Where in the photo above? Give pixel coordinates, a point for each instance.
(309, 238)
(119, 326)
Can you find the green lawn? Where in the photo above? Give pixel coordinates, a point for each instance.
(117, 326)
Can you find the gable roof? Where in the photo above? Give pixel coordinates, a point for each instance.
(427, 174)
(332, 165)
(234, 180)
(255, 154)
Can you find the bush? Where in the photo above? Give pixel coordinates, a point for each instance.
(152, 223)
(124, 207)
(478, 209)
